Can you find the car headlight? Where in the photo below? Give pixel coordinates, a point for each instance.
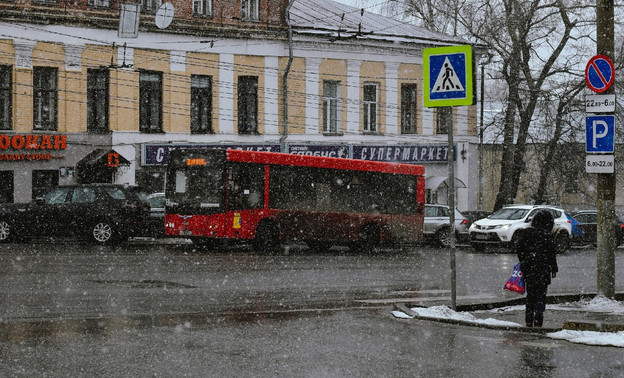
(501, 227)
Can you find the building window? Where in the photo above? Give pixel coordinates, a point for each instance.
(331, 89)
(249, 10)
(44, 98)
(369, 110)
(99, 3)
(247, 104)
(150, 6)
(150, 108)
(97, 100)
(201, 104)
(6, 95)
(43, 182)
(202, 7)
(6, 186)
(442, 114)
(408, 108)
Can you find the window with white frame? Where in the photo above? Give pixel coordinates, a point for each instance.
(369, 110)
(331, 88)
(250, 10)
(202, 7)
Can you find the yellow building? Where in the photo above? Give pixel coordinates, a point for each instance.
(219, 76)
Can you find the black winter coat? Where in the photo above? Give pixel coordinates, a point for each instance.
(537, 255)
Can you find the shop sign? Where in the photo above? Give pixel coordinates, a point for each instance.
(319, 150)
(158, 154)
(403, 153)
(31, 147)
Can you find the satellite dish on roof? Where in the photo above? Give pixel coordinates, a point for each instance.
(164, 15)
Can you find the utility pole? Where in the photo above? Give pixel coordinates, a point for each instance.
(605, 200)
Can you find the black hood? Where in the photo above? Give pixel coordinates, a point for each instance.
(543, 220)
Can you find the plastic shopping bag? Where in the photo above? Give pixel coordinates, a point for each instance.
(515, 283)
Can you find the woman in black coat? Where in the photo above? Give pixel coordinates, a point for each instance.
(538, 263)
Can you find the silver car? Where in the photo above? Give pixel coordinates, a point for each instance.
(437, 222)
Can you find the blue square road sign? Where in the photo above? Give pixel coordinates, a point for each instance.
(599, 133)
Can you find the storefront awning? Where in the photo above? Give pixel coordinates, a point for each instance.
(99, 166)
(433, 183)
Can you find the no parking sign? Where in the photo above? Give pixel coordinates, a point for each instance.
(599, 73)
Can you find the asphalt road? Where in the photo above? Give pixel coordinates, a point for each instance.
(73, 309)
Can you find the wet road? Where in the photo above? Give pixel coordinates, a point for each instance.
(360, 343)
(72, 309)
(60, 280)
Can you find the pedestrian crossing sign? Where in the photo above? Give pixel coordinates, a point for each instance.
(447, 76)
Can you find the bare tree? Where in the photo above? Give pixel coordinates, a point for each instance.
(527, 40)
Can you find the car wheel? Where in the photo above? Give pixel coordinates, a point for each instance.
(103, 232)
(267, 237)
(443, 237)
(562, 242)
(6, 231)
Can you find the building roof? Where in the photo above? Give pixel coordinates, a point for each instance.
(341, 21)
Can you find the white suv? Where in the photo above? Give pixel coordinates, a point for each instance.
(501, 227)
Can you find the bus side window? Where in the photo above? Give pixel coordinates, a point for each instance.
(245, 187)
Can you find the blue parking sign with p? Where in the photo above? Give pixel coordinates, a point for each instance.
(599, 133)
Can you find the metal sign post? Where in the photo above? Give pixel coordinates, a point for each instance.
(448, 81)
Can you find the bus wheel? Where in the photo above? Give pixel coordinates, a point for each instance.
(369, 238)
(267, 237)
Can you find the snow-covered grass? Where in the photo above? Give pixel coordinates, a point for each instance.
(598, 304)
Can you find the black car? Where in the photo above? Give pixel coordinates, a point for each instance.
(585, 227)
(154, 225)
(105, 213)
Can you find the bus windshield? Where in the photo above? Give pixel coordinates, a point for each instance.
(196, 184)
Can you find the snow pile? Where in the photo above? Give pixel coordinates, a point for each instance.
(597, 304)
(590, 337)
(443, 312)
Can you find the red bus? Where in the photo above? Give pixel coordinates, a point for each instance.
(269, 198)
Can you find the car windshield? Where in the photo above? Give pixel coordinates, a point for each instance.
(509, 213)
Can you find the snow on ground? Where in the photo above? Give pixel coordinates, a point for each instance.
(443, 312)
(615, 339)
(598, 304)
